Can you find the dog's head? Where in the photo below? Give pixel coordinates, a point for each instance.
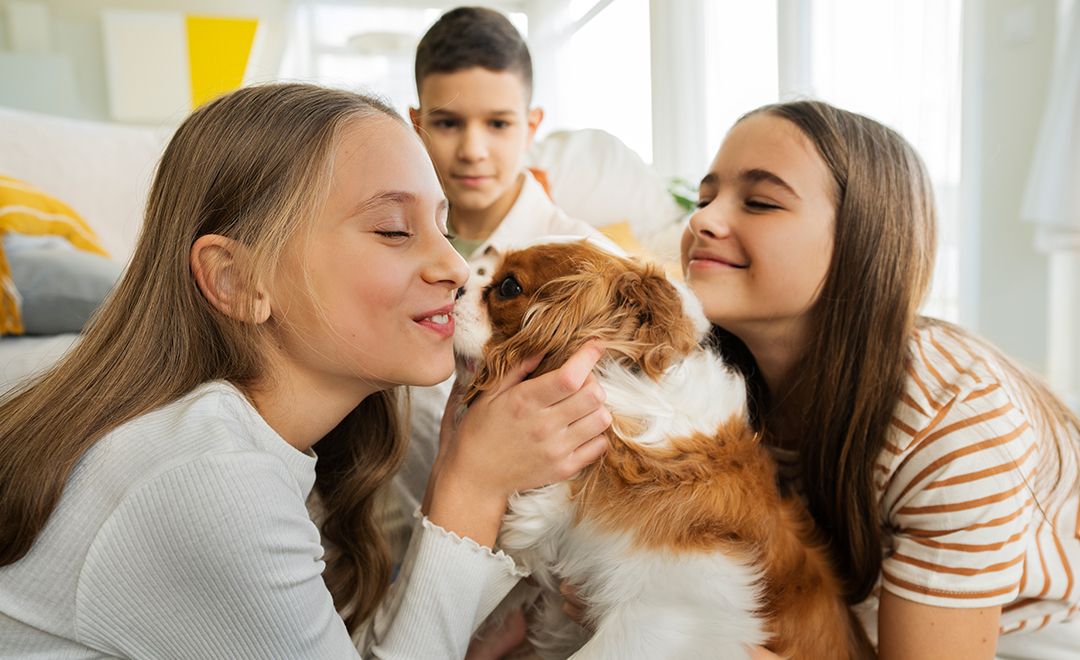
(550, 299)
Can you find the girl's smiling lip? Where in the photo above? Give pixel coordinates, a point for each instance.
(705, 259)
(440, 321)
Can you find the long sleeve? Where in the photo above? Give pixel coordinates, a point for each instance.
(216, 558)
(446, 587)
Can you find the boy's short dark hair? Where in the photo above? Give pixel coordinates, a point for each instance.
(468, 37)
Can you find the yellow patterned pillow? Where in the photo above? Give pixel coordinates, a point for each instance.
(26, 210)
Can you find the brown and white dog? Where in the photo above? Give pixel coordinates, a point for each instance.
(678, 539)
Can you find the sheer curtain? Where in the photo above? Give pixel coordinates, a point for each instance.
(897, 61)
(1052, 201)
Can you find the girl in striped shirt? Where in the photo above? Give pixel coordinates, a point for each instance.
(943, 476)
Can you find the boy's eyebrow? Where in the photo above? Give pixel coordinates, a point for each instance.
(447, 113)
(754, 175)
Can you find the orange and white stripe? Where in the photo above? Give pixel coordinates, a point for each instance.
(969, 519)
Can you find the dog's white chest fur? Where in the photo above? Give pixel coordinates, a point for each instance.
(645, 603)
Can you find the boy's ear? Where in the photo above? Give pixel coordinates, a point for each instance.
(215, 263)
(535, 116)
(414, 117)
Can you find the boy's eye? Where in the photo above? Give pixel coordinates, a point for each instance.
(445, 123)
(499, 124)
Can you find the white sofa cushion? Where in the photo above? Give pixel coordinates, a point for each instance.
(101, 170)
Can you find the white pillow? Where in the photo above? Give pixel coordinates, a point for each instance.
(595, 177)
(103, 171)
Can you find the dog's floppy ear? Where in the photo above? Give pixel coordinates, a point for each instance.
(657, 328)
(563, 316)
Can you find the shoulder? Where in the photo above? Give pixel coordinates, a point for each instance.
(535, 215)
(214, 418)
(953, 382)
(959, 437)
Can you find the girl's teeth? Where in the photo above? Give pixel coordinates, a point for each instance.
(440, 319)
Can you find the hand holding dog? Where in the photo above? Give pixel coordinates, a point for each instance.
(520, 435)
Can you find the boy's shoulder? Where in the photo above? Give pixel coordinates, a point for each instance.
(535, 215)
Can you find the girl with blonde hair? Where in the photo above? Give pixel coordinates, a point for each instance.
(942, 475)
(291, 273)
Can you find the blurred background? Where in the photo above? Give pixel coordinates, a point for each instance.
(987, 91)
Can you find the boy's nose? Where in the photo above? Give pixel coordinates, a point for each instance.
(473, 146)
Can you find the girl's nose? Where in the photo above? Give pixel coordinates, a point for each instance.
(710, 222)
(446, 266)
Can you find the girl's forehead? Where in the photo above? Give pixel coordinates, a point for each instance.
(772, 144)
(767, 136)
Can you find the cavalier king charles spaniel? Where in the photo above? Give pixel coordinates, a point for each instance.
(678, 540)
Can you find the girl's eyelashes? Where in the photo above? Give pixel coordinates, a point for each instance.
(393, 233)
(702, 203)
(759, 205)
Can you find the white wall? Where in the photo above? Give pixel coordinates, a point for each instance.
(76, 35)
(1007, 56)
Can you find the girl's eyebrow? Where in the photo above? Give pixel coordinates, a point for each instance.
(758, 175)
(393, 198)
(754, 175)
(384, 198)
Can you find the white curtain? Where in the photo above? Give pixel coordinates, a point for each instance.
(1052, 201)
(1052, 197)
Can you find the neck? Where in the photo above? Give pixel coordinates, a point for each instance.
(303, 409)
(478, 224)
(776, 350)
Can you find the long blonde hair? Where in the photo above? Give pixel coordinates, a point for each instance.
(254, 166)
(854, 368)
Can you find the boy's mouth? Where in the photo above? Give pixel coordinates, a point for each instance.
(472, 181)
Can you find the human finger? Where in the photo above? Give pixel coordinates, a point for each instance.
(557, 385)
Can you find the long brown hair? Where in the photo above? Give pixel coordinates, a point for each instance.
(850, 378)
(253, 166)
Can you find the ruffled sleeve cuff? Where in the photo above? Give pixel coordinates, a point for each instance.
(447, 586)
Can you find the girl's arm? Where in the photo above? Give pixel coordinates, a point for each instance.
(912, 630)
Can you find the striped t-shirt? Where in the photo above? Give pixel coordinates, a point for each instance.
(970, 516)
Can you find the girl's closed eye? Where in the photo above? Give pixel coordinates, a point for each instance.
(394, 233)
(702, 203)
(758, 204)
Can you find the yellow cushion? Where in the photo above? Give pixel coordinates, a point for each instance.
(622, 235)
(26, 210)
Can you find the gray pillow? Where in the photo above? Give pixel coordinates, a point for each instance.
(60, 287)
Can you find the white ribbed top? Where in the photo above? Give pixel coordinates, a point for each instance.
(184, 534)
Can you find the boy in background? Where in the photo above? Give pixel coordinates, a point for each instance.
(474, 82)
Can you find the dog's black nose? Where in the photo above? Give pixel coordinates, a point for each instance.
(460, 293)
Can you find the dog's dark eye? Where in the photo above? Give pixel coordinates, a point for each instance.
(509, 288)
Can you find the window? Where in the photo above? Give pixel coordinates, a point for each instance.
(368, 47)
(898, 61)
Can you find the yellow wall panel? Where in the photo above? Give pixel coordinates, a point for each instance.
(218, 52)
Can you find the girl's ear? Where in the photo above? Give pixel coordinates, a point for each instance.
(216, 263)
